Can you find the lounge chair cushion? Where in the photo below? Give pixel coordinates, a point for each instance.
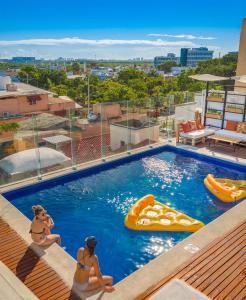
(231, 125)
(186, 127)
(197, 134)
(232, 134)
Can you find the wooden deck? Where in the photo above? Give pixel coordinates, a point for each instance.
(32, 270)
(218, 270)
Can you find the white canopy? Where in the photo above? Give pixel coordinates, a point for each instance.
(208, 77)
(27, 160)
(240, 78)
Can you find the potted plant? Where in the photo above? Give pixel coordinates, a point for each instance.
(214, 114)
(215, 97)
(234, 109)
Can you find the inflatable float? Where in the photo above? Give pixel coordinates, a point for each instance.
(226, 190)
(149, 214)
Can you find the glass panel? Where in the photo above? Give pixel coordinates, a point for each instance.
(17, 146)
(87, 134)
(116, 124)
(54, 141)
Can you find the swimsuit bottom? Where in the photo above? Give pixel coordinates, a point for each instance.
(80, 286)
(43, 239)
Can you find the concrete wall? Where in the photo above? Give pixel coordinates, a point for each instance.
(61, 106)
(241, 64)
(120, 134)
(107, 111)
(21, 105)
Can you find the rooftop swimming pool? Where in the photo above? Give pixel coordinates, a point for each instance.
(95, 202)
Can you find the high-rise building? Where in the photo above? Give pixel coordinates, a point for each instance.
(158, 60)
(189, 57)
(241, 63)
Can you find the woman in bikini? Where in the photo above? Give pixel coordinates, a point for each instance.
(88, 276)
(40, 228)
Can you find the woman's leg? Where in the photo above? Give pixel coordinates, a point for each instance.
(95, 284)
(50, 239)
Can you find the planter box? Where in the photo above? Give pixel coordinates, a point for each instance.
(215, 99)
(234, 110)
(214, 116)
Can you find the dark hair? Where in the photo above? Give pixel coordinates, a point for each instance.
(37, 209)
(91, 243)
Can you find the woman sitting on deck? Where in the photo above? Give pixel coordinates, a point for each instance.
(40, 228)
(88, 276)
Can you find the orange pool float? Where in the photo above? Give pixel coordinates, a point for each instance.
(226, 190)
(149, 214)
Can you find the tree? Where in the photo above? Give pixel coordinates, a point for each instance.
(8, 127)
(129, 74)
(167, 66)
(225, 66)
(76, 68)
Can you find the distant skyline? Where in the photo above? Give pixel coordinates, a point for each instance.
(117, 29)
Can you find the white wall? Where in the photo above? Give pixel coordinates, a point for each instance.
(120, 134)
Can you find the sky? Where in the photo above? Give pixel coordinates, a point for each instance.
(115, 29)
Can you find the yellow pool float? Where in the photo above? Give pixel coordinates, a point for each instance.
(149, 214)
(226, 190)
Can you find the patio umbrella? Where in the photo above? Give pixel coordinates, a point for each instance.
(208, 77)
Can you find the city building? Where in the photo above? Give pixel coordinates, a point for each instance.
(176, 71)
(19, 99)
(241, 63)
(23, 59)
(158, 60)
(189, 57)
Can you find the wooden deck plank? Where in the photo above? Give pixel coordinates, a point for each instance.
(47, 277)
(61, 295)
(46, 293)
(214, 256)
(220, 274)
(241, 295)
(236, 290)
(43, 272)
(41, 288)
(32, 270)
(212, 269)
(217, 270)
(232, 277)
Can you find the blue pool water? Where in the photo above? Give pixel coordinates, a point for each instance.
(97, 204)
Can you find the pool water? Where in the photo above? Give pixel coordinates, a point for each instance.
(97, 205)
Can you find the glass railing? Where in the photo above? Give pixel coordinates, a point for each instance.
(51, 141)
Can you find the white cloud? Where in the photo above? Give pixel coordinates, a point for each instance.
(101, 42)
(183, 36)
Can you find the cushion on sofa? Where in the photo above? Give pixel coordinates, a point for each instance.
(241, 127)
(231, 125)
(232, 134)
(197, 134)
(186, 127)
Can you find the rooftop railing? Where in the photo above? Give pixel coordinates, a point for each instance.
(48, 142)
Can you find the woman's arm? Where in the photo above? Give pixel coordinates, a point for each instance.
(97, 270)
(50, 222)
(80, 254)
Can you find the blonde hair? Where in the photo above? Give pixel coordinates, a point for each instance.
(37, 209)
